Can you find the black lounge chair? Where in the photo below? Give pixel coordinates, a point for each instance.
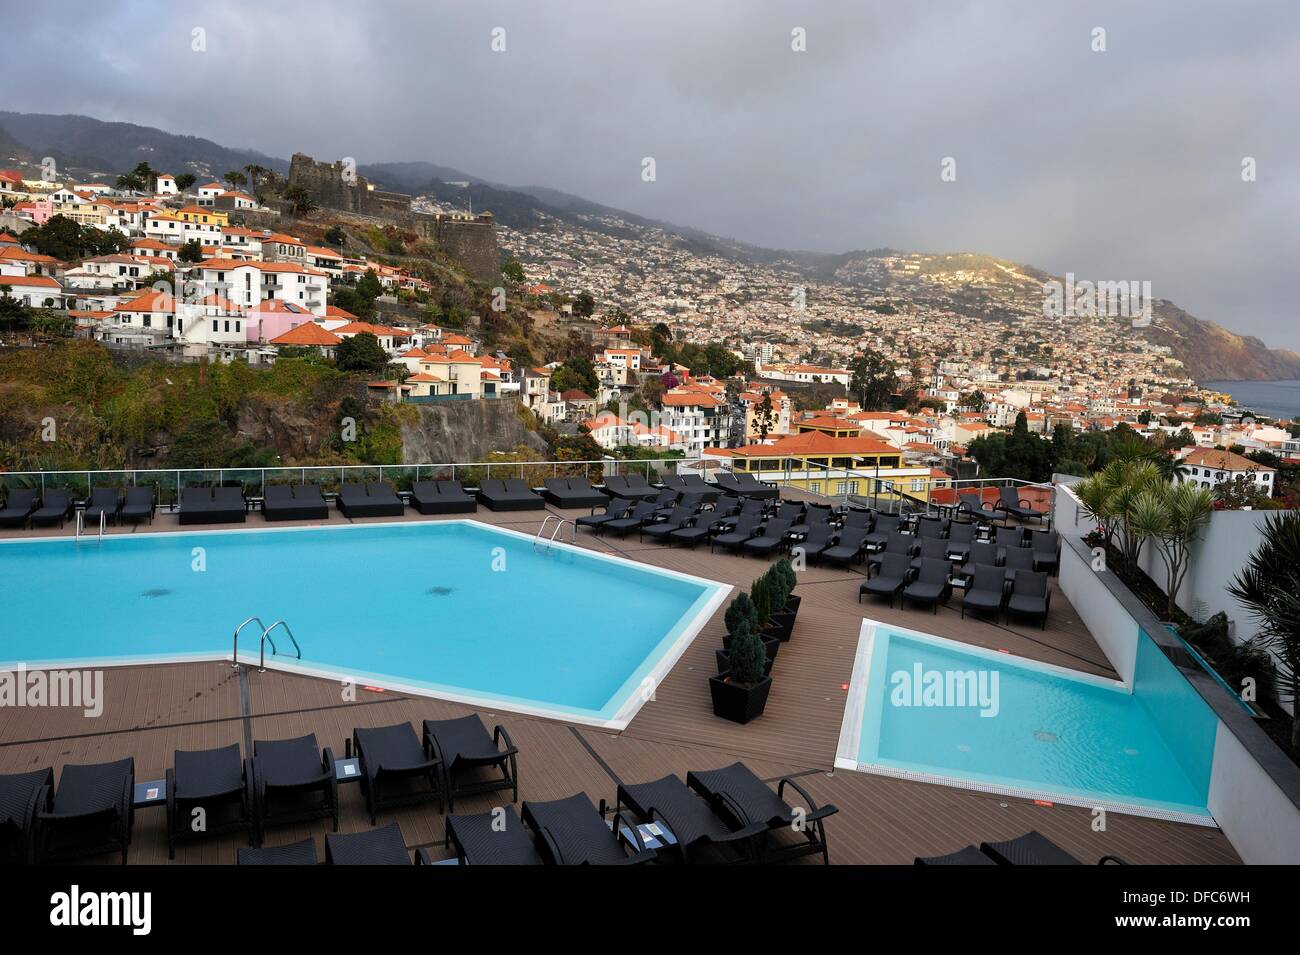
(105, 501)
(572, 492)
(931, 528)
(615, 508)
(770, 540)
(691, 820)
(573, 832)
(981, 552)
(293, 781)
(745, 484)
(296, 502)
(395, 769)
(492, 838)
(295, 853)
(509, 495)
(18, 507)
(698, 529)
(138, 506)
(213, 505)
(214, 781)
(1015, 559)
(968, 856)
(927, 548)
(734, 791)
(898, 543)
(631, 486)
(382, 846)
(1046, 546)
(1034, 848)
(442, 497)
(55, 507)
(814, 515)
(960, 538)
(931, 585)
(748, 505)
(746, 526)
(376, 499)
(641, 512)
(464, 747)
(674, 520)
(986, 591)
(1009, 538)
(849, 546)
(89, 814)
(1030, 596)
(864, 518)
(894, 574)
(1012, 503)
(885, 526)
(972, 505)
(791, 511)
(21, 795)
(815, 541)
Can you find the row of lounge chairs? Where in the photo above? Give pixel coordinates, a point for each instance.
(988, 589)
(1009, 504)
(291, 781)
(26, 506)
(287, 781)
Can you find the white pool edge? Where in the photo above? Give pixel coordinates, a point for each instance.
(618, 722)
(850, 740)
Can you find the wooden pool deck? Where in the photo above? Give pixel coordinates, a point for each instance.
(151, 711)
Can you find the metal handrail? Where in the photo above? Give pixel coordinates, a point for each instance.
(234, 652)
(560, 522)
(266, 638)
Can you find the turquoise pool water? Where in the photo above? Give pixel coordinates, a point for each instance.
(454, 609)
(935, 708)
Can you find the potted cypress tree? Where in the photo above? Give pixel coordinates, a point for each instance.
(781, 616)
(740, 692)
(742, 608)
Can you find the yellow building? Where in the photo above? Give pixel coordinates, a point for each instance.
(835, 466)
(203, 216)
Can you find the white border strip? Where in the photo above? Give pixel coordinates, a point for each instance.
(850, 742)
(619, 722)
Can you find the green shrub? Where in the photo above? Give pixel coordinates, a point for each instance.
(742, 608)
(747, 656)
(760, 592)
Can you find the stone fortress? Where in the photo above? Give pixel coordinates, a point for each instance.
(467, 239)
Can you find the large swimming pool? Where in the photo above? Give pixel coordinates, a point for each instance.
(452, 609)
(922, 707)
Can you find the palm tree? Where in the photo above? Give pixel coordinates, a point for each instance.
(1171, 516)
(1269, 587)
(255, 171)
(235, 178)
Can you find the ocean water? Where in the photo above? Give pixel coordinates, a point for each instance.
(1280, 399)
(454, 608)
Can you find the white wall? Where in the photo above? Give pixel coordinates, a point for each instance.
(1259, 820)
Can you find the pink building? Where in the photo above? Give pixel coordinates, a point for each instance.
(272, 318)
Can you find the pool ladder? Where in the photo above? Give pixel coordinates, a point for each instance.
(265, 639)
(81, 526)
(559, 526)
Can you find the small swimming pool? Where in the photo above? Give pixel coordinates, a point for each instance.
(921, 707)
(452, 609)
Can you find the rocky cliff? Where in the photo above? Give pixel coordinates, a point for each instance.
(465, 431)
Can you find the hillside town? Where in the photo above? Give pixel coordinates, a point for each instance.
(789, 404)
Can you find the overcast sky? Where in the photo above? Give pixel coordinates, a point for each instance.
(1123, 164)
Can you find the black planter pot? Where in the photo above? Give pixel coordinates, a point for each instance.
(782, 621)
(724, 661)
(771, 643)
(737, 703)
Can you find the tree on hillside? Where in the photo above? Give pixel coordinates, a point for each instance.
(300, 200)
(874, 380)
(66, 240)
(576, 372)
(513, 271)
(185, 180)
(191, 251)
(235, 178)
(584, 305)
(361, 352)
(764, 417)
(975, 401)
(336, 236)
